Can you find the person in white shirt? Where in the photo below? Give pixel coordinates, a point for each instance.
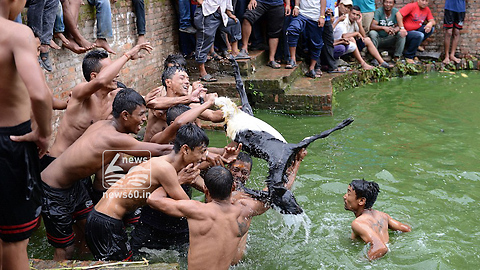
(350, 30)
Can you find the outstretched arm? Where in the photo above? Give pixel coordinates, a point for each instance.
(168, 135)
(377, 247)
(106, 75)
(158, 200)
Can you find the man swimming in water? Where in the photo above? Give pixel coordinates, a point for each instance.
(65, 197)
(370, 225)
(24, 98)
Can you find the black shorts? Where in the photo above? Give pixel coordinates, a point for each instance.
(453, 19)
(20, 189)
(106, 238)
(275, 16)
(61, 208)
(360, 44)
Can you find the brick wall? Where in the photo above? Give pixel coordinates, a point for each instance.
(142, 74)
(469, 36)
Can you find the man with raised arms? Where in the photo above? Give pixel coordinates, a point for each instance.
(24, 95)
(65, 197)
(176, 82)
(370, 225)
(91, 101)
(215, 227)
(106, 236)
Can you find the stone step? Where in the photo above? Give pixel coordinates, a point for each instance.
(310, 96)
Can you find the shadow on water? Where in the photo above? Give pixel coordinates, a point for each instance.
(417, 138)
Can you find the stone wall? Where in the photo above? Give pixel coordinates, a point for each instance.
(469, 36)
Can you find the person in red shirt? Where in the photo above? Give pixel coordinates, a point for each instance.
(411, 19)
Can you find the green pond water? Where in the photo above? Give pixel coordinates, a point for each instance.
(417, 138)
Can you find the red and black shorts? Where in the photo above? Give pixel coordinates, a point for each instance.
(20, 189)
(453, 19)
(61, 208)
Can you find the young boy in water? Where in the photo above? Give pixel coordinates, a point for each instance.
(24, 98)
(370, 225)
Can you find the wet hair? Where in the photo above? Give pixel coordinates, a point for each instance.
(366, 189)
(176, 111)
(191, 135)
(357, 8)
(242, 156)
(394, 1)
(169, 72)
(219, 182)
(91, 62)
(126, 99)
(176, 60)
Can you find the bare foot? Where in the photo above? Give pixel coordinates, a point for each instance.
(102, 43)
(61, 37)
(420, 48)
(82, 42)
(54, 45)
(366, 66)
(454, 59)
(446, 61)
(74, 47)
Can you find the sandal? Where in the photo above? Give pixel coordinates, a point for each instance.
(337, 70)
(215, 56)
(386, 65)
(44, 61)
(291, 64)
(313, 74)
(273, 65)
(208, 78)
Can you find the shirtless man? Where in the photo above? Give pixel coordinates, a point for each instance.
(370, 225)
(106, 236)
(23, 94)
(176, 82)
(215, 227)
(240, 170)
(65, 197)
(91, 101)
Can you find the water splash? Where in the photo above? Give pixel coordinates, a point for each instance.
(294, 224)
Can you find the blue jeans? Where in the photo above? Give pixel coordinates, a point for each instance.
(414, 39)
(139, 8)
(41, 17)
(283, 53)
(59, 26)
(104, 18)
(184, 10)
(300, 24)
